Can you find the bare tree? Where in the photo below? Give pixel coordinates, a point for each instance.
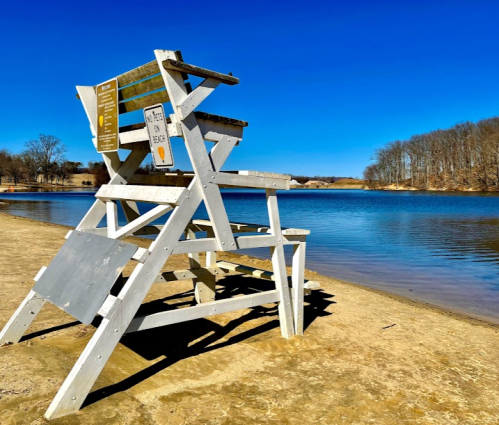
(4, 158)
(46, 151)
(16, 168)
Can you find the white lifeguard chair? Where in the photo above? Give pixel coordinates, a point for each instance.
(80, 278)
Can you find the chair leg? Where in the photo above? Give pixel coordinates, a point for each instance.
(279, 266)
(298, 279)
(22, 318)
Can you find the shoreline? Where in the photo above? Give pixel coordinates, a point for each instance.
(366, 356)
(313, 275)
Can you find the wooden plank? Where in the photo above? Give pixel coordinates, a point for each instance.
(210, 244)
(214, 131)
(298, 285)
(237, 180)
(211, 256)
(112, 218)
(141, 87)
(141, 102)
(157, 195)
(175, 65)
(279, 266)
(20, 321)
(220, 119)
(141, 221)
(236, 227)
(261, 274)
(211, 193)
(134, 136)
(202, 310)
(138, 74)
(200, 273)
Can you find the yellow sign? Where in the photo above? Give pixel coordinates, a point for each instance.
(107, 116)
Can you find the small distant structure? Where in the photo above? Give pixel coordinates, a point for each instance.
(315, 183)
(294, 183)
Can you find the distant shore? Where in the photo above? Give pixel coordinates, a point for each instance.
(365, 354)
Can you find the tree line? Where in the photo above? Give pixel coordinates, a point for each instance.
(463, 156)
(44, 161)
(43, 158)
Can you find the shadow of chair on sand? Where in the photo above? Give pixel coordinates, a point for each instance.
(152, 344)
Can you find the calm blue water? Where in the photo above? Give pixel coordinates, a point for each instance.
(441, 248)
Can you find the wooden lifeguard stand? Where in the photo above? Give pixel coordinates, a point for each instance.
(80, 278)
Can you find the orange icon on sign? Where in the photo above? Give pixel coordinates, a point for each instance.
(101, 120)
(161, 151)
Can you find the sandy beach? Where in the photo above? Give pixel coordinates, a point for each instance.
(366, 357)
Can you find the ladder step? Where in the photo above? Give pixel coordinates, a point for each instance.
(156, 195)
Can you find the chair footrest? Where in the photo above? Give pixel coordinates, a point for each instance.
(204, 225)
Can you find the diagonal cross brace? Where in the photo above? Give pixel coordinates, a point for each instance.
(198, 155)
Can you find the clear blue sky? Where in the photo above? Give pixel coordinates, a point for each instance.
(322, 83)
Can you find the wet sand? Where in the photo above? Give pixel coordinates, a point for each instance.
(366, 357)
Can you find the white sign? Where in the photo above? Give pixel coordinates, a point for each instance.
(154, 117)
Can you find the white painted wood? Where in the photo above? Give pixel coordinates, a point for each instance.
(239, 180)
(194, 99)
(95, 214)
(279, 266)
(141, 254)
(202, 310)
(250, 228)
(75, 388)
(112, 161)
(141, 221)
(134, 136)
(211, 256)
(210, 244)
(112, 218)
(211, 193)
(110, 304)
(214, 131)
(39, 274)
(194, 262)
(157, 195)
(204, 289)
(298, 279)
(20, 321)
(119, 311)
(196, 149)
(200, 273)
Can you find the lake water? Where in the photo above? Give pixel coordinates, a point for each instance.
(441, 248)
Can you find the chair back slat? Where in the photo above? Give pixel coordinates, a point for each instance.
(141, 88)
(137, 74)
(144, 101)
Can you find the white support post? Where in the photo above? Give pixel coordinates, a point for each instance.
(298, 280)
(204, 289)
(22, 319)
(279, 266)
(211, 256)
(112, 218)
